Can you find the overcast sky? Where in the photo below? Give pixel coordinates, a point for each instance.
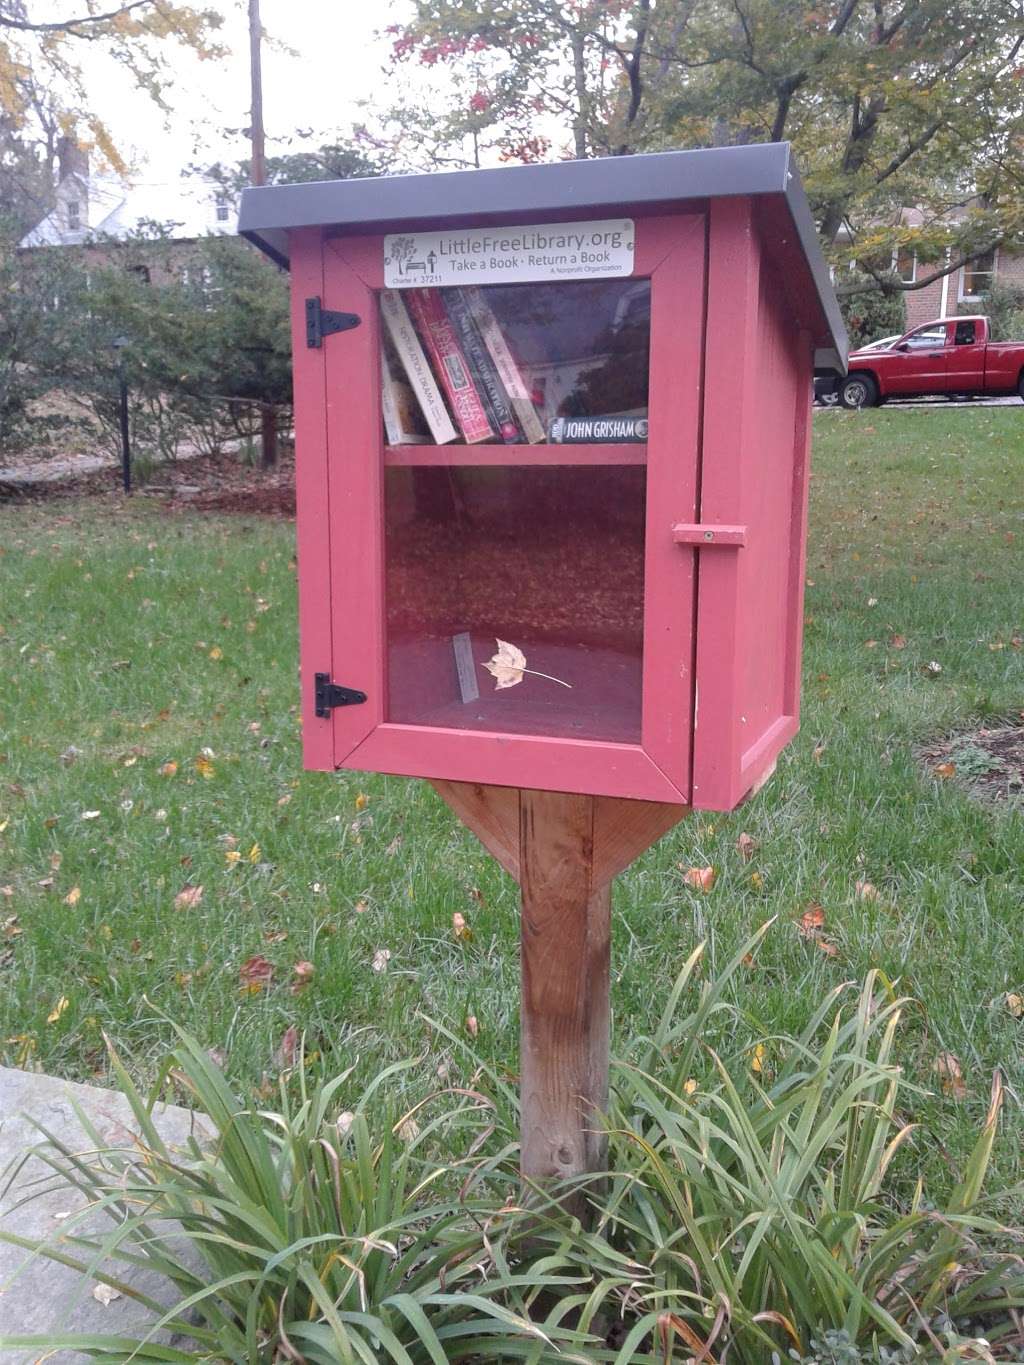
(336, 70)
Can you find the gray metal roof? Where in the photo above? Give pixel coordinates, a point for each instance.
(659, 179)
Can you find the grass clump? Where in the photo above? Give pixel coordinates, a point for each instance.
(747, 1215)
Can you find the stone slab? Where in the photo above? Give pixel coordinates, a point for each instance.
(42, 1296)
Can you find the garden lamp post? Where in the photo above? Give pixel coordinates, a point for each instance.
(119, 343)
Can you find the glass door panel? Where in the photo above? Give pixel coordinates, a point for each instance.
(514, 599)
(515, 365)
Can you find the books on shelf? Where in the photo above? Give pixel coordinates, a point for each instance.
(427, 309)
(446, 356)
(482, 368)
(509, 374)
(410, 352)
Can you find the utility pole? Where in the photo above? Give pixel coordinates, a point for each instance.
(258, 176)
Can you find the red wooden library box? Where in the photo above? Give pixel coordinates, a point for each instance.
(552, 431)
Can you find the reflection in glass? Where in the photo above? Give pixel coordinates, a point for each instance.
(548, 559)
(515, 364)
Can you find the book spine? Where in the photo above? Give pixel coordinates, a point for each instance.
(417, 367)
(506, 365)
(594, 430)
(439, 336)
(388, 402)
(484, 371)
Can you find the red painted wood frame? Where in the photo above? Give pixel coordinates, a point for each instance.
(730, 387)
(341, 535)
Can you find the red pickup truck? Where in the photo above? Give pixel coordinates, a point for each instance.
(950, 356)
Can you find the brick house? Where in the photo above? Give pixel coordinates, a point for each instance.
(93, 211)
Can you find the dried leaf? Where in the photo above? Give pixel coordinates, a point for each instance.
(362, 800)
(204, 767)
(897, 642)
(232, 856)
(216, 653)
(255, 973)
(381, 958)
(690, 1087)
(812, 921)
(944, 770)
(57, 1010)
(757, 1059)
(361, 907)
(700, 878)
(460, 928)
(865, 891)
(827, 947)
(188, 898)
(90, 815)
(472, 1025)
(746, 846)
(947, 1068)
(408, 1130)
(254, 854)
(73, 896)
(168, 769)
(509, 665)
(103, 1294)
(284, 1054)
(302, 975)
(757, 881)
(933, 669)
(1015, 1004)
(817, 752)
(345, 1121)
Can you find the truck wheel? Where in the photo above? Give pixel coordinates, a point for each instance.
(858, 391)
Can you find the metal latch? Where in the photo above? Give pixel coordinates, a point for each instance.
(322, 322)
(708, 534)
(327, 695)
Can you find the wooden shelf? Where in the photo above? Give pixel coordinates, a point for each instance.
(482, 455)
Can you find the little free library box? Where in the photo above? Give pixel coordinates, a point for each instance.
(552, 428)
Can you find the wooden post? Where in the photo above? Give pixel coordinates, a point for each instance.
(564, 1021)
(564, 850)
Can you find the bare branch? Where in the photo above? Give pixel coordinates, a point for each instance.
(71, 26)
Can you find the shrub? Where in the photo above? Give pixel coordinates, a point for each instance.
(873, 314)
(1004, 305)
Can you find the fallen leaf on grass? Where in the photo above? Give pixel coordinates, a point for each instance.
(472, 1025)
(103, 1294)
(57, 1010)
(255, 854)
(73, 896)
(897, 642)
(302, 976)
(255, 973)
(204, 767)
(284, 1054)
(690, 1087)
(90, 815)
(460, 928)
(232, 856)
(812, 921)
(381, 958)
(746, 846)
(361, 907)
(10, 928)
(1015, 1004)
(700, 878)
(408, 1130)
(168, 769)
(757, 881)
(216, 653)
(757, 1059)
(944, 770)
(933, 669)
(817, 752)
(947, 1068)
(866, 891)
(362, 801)
(188, 898)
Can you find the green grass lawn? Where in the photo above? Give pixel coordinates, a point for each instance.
(149, 742)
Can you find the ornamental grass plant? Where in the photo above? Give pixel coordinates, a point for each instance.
(748, 1215)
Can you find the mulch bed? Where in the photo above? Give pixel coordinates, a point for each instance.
(988, 763)
(201, 483)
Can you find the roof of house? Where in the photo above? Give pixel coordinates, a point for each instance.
(511, 193)
(110, 207)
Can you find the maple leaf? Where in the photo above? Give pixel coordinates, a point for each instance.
(188, 898)
(509, 666)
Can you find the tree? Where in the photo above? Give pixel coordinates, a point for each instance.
(889, 103)
(40, 51)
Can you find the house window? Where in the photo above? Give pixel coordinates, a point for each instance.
(142, 271)
(978, 276)
(904, 264)
(223, 208)
(74, 215)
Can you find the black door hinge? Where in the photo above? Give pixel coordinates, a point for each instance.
(321, 322)
(328, 695)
